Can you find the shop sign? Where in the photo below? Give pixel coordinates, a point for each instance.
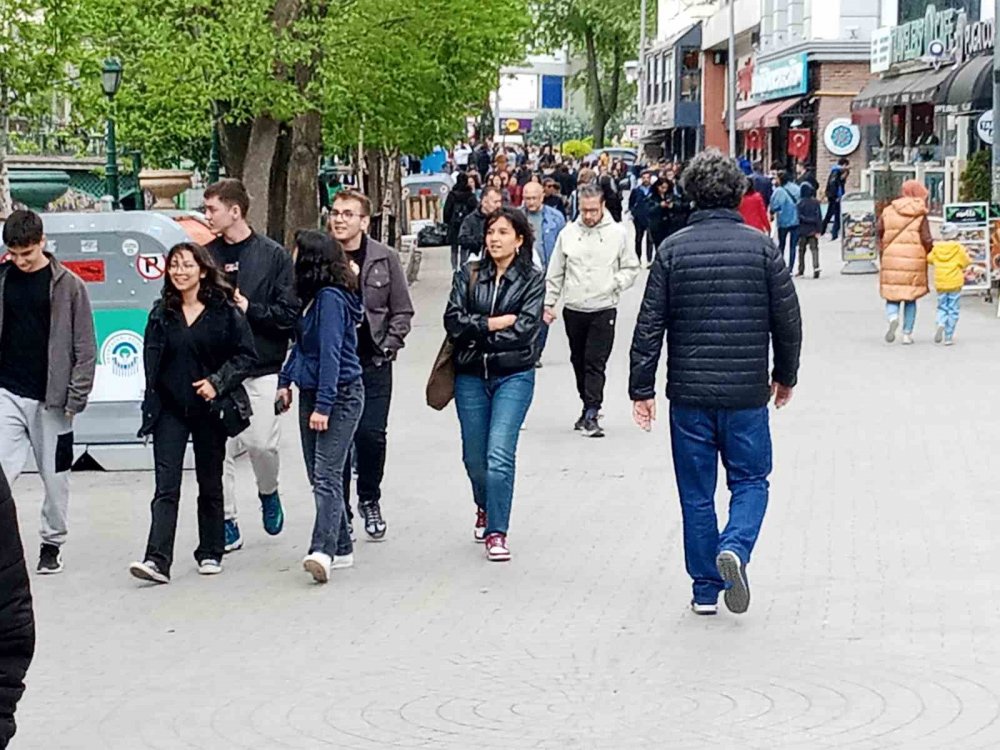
(941, 36)
(984, 127)
(842, 137)
(974, 234)
(780, 78)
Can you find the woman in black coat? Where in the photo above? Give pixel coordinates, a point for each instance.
(461, 202)
(198, 351)
(612, 201)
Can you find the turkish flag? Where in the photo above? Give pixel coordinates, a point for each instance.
(753, 140)
(799, 141)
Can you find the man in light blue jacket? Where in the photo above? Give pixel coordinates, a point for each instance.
(785, 214)
(546, 222)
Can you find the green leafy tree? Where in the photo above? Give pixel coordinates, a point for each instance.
(606, 34)
(975, 181)
(555, 127)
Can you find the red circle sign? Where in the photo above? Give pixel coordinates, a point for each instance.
(151, 267)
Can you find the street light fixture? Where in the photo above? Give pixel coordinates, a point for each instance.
(111, 79)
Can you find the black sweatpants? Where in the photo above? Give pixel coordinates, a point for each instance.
(642, 237)
(170, 436)
(591, 336)
(370, 437)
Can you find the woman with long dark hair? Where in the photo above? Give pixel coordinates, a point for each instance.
(324, 364)
(461, 202)
(198, 350)
(612, 201)
(493, 318)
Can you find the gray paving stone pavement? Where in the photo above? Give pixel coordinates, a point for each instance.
(875, 581)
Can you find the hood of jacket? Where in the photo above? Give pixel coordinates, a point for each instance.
(352, 300)
(807, 190)
(606, 221)
(947, 251)
(910, 206)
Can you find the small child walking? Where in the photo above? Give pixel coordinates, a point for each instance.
(810, 228)
(950, 260)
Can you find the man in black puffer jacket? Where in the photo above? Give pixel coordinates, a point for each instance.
(721, 293)
(17, 622)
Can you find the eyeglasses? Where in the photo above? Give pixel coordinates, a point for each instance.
(345, 215)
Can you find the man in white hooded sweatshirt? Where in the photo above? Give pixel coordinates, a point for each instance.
(591, 266)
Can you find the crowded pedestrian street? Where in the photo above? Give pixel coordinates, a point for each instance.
(875, 589)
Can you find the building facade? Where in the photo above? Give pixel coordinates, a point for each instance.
(541, 85)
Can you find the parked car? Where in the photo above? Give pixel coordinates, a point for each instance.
(628, 155)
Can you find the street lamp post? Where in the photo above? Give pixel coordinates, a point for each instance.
(731, 88)
(213, 154)
(111, 78)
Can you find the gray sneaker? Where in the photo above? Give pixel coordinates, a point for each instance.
(890, 335)
(737, 593)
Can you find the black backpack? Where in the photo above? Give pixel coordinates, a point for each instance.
(833, 185)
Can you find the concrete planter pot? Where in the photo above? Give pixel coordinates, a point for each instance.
(165, 185)
(37, 188)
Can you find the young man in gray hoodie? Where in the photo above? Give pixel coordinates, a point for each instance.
(48, 354)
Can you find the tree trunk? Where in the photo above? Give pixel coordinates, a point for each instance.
(397, 204)
(234, 140)
(600, 123)
(6, 201)
(256, 174)
(594, 84)
(279, 184)
(302, 200)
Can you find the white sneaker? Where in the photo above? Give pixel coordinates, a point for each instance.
(317, 564)
(890, 335)
(704, 609)
(209, 567)
(907, 339)
(939, 335)
(148, 571)
(949, 342)
(340, 562)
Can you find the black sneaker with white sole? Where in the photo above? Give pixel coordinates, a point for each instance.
(733, 572)
(49, 559)
(374, 525)
(148, 571)
(592, 428)
(580, 422)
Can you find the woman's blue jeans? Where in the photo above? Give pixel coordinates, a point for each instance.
(491, 411)
(909, 314)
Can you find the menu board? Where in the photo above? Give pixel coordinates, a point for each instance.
(858, 238)
(972, 221)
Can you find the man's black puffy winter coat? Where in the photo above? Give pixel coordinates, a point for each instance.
(17, 621)
(723, 296)
(520, 292)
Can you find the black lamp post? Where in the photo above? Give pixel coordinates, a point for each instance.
(213, 155)
(111, 78)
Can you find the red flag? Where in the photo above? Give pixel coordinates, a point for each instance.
(753, 140)
(799, 141)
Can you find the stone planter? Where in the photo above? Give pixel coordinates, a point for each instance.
(165, 185)
(37, 188)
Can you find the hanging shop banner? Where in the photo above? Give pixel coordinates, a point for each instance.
(799, 141)
(972, 220)
(858, 238)
(984, 127)
(779, 79)
(841, 136)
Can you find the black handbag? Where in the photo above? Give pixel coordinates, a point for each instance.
(233, 410)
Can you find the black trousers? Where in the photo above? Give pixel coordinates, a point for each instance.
(591, 337)
(642, 234)
(370, 437)
(170, 436)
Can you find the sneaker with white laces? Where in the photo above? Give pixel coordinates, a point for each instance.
(318, 565)
(890, 335)
(342, 562)
(496, 548)
(700, 608)
(907, 339)
(148, 571)
(209, 567)
(734, 573)
(479, 532)
(374, 525)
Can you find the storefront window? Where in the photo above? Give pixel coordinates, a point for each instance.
(657, 69)
(691, 75)
(668, 77)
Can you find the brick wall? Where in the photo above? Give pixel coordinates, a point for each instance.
(713, 103)
(836, 81)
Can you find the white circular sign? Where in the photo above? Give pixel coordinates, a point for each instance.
(984, 126)
(842, 137)
(130, 247)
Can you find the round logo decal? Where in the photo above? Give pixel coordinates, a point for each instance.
(842, 137)
(130, 248)
(122, 350)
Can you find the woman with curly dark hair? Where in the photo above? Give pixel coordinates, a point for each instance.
(493, 318)
(198, 350)
(324, 364)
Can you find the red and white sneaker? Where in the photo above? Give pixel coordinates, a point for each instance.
(479, 533)
(496, 548)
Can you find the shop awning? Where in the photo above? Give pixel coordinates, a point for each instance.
(870, 116)
(911, 88)
(765, 115)
(968, 87)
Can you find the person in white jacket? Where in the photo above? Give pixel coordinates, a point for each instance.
(591, 266)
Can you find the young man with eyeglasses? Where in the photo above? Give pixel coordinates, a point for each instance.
(386, 322)
(260, 270)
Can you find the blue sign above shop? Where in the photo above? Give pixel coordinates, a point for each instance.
(778, 79)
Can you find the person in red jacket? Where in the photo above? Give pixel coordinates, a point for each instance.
(754, 211)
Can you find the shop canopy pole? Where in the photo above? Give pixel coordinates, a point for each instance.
(731, 59)
(996, 109)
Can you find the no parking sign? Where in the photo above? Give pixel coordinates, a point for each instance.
(151, 267)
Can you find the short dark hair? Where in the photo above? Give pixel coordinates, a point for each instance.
(351, 194)
(714, 180)
(844, 161)
(590, 191)
(522, 228)
(231, 192)
(490, 189)
(23, 229)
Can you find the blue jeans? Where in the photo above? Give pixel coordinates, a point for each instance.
(490, 413)
(698, 437)
(325, 454)
(790, 234)
(909, 314)
(947, 311)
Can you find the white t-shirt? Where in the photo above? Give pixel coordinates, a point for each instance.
(462, 156)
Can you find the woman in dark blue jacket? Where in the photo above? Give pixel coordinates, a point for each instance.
(324, 365)
(493, 318)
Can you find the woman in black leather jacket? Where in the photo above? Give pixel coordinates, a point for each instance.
(493, 318)
(198, 351)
